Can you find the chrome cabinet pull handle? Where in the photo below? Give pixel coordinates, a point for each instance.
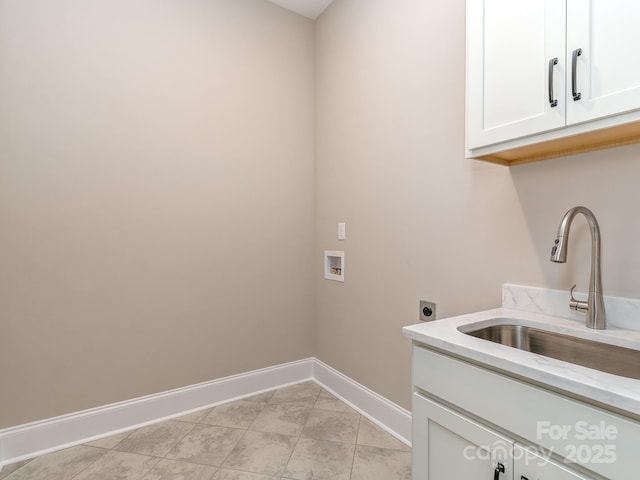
(574, 84)
(552, 101)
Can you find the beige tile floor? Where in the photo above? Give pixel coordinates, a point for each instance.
(300, 432)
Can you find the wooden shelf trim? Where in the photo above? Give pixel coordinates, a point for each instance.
(586, 142)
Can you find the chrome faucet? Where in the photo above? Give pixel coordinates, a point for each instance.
(594, 306)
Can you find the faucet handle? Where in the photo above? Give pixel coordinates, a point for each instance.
(577, 305)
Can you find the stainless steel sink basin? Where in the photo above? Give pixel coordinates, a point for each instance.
(597, 355)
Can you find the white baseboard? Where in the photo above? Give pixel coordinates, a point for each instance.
(37, 438)
(383, 412)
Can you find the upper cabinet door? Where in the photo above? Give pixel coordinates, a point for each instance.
(510, 51)
(607, 75)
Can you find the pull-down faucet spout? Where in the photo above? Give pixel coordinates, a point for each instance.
(594, 306)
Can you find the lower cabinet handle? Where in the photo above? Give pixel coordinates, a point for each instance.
(552, 101)
(499, 469)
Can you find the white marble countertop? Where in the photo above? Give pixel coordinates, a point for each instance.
(618, 392)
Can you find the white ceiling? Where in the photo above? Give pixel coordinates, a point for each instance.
(308, 8)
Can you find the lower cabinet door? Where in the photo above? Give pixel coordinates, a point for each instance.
(450, 446)
(533, 464)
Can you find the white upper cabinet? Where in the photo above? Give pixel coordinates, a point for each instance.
(510, 45)
(540, 71)
(607, 35)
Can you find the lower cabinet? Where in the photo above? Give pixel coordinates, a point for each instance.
(471, 422)
(528, 464)
(448, 445)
